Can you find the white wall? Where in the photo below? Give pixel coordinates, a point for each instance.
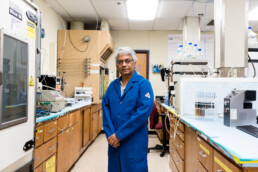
(154, 41)
(51, 22)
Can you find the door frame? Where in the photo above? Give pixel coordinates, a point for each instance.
(147, 62)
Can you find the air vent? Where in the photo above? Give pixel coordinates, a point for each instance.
(211, 23)
(106, 54)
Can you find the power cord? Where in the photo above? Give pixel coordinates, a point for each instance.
(252, 65)
(82, 51)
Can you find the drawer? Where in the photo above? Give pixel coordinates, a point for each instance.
(178, 161)
(39, 136)
(180, 147)
(172, 165)
(38, 159)
(49, 149)
(173, 118)
(62, 123)
(50, 130)
(180, 134)
(199, 167)
(39, 168)
(74, 118)
(181, 126)
(172, 149)
(50, 163)
(205, 154)
(221, 164)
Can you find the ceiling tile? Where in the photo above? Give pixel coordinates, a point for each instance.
(118, 24)
(142, 25)
(167, 24)
(110, 9)
(201, 8)
(78, 9)
(173, 9)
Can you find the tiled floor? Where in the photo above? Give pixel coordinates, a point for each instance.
(95, 157)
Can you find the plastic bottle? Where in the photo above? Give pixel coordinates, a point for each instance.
(199, 54)
(189, 50)
(252, 38)
(180, 53)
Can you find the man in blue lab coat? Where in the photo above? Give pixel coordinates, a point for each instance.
(127, 106)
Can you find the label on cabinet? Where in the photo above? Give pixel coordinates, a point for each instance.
(51, 164)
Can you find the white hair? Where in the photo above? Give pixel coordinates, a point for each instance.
(127, 51)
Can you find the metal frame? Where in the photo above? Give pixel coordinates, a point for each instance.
(23, 119)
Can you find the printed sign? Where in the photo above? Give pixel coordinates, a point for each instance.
(31, 29)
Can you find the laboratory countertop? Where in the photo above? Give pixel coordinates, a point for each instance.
(77, 105)
(238, 145)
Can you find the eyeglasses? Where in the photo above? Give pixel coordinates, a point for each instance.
(127, 61)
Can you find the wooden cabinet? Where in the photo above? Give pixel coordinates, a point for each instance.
(86, 126)
(49, 164)
(221, 164)
(67, 137)
(205, 154)
(68, 148)
(95, 118)
(50, 130)
(39, 136)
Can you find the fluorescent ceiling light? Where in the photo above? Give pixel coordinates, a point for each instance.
(141, 9)
(253, 15)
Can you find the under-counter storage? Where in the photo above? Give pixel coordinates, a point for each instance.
(221, 164)
(205, 154)
(50, 130)
(39, 136)
(199, 167)
(44, 151)
(48, 165)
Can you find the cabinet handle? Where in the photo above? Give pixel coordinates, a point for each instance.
(203, 155)
(177, 145)
(198, 139)
(37, 158)
(177, 162)
(37, 138)
(51, 131)
(50, 149)
(219, 170)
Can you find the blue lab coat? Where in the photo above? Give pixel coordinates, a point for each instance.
(127, 116)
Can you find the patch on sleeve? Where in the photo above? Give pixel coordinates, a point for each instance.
(147, 95)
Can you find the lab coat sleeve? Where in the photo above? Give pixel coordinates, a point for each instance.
(107, 123)
(143, 111)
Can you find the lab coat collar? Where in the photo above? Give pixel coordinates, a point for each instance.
(128, 86)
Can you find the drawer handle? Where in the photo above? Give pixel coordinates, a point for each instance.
(177, 162)
(219, 170)
(51, 131)
(37, 158)
(177, 145)
(37, 138)
(203, 155)
(50, 149)
(198, 139)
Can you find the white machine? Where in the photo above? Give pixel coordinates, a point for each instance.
(55, 98)
(19, 25)
(83, 93)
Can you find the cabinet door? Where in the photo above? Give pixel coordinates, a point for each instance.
(221, 164)
(75, 144)
(94, 126)
(86, 127)
(100, 121)
(63, 151)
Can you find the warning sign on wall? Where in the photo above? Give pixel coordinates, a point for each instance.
(31, 29)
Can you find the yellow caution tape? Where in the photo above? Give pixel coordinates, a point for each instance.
(222, 165)
(205, 149)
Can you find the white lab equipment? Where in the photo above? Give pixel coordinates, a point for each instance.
(180, 52)
(55, 98)
(83, 93)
